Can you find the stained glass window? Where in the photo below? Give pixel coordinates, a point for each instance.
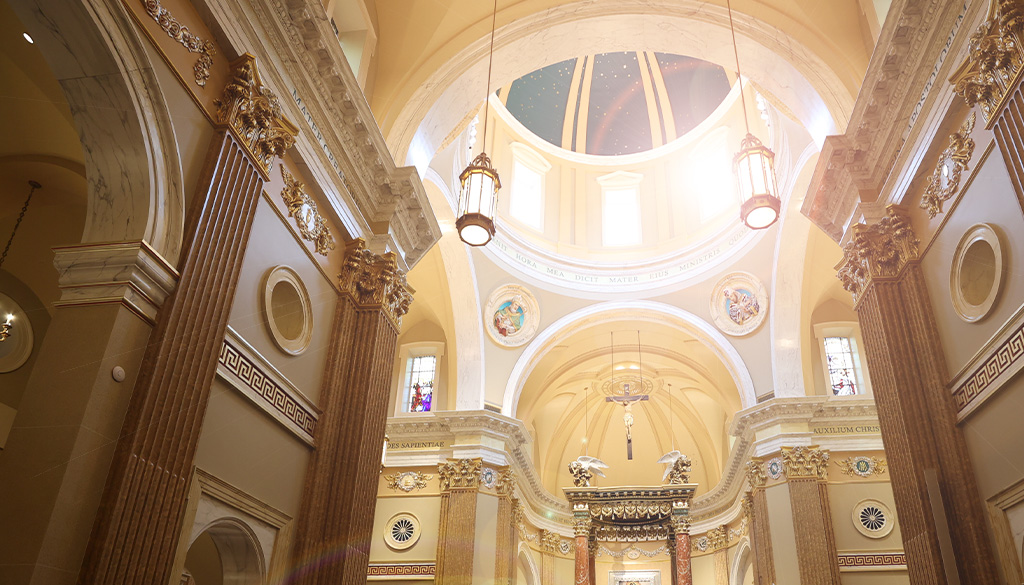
(421, 382)
(839, 353)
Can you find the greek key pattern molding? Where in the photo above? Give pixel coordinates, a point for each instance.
(273, 397)
(401, 570)
(873, 560)
(1011, 351)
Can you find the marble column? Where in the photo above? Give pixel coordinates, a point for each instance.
(680, 528)
(806, 471)
(136, 532)
(930, 467)
(991, 79)
(460, 484)
(505, 539)
(337, 508)
(581, 530)
(549, 543)
(55, 463)
(718, 543)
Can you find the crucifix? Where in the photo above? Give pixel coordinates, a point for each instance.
(627, 400)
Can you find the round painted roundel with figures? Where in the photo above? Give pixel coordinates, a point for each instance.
(739, 304)
(511, 316)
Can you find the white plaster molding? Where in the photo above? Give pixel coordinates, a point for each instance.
(302, 57)
(128, 273)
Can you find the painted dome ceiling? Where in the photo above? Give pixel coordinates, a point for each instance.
(616, 103)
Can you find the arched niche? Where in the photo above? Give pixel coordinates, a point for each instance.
(131, 157)
(226, 552)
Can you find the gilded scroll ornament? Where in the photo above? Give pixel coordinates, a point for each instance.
(995, 59)
(550, 541)
(459, 474)
(945, 179)
(718, 538)
(805, 462)
(880, 250)
(755, 473)
(375, 281)
(861, 466)
(505, 483)
(747, 503)
(183, 35)
(253, 113)
(408, 481)
(679, 524)
(519, 517)
(301, 207)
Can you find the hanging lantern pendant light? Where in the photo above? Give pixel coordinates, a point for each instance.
(754, 165)
(479, 183)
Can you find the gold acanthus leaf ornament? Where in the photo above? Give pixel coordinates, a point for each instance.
(945, 179)
(301, 207)
(805, 462)
(995, 59)
(460, 474)
(877, 251)
(184, 36)
(253, 112)
(373, 280)
(755, 473)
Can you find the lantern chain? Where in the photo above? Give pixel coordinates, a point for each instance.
(21, 216)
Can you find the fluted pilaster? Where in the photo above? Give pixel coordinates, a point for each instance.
(806, 471)
(460, 484)
(760, 531)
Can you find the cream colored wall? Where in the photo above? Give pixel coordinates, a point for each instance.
(270, 245)
(485, 548)
(427, 510)
(843, 497)
(780, 520)
(874, 578)
(243, 446)
(989, 199)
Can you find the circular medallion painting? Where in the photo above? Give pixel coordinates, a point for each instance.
(511, 316)
(774, 468)
(739, 304)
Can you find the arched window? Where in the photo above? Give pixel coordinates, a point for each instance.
(418, 383)
(620, 210)
(842, 364)
(529, 173)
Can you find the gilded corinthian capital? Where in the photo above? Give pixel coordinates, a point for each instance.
(995, 59)
(805, 462)
(459, 474)
(880, 250)
(375, 281)
(253, 113)
(755, 473)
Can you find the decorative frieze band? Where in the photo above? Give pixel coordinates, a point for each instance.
(880, 250)
(242, 367)
(872, 561)
(1005, 357)
(407, 570)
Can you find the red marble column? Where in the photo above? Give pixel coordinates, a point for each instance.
(682, 569)
(582, 560)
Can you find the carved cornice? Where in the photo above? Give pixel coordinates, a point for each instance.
(878, 251)
(642, 533)
(385, 195)
(375, 281)
(994, 61)
(460, 474)
(945, 179)
(911, 51)
(755, 473)
(192, 43)
(805, 462)
(253, 113)
(301, 207)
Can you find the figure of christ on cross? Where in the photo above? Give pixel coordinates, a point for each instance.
(627, 400)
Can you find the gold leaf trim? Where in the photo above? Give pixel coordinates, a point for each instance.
(184, 36)
(301, 207)
(959, 152)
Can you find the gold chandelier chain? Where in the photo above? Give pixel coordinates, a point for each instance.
(739, 73)
(21, 216)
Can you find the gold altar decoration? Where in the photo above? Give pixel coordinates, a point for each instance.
(718, 538)
(253, 112)
(630, 513)
(945, 179)
(301, 207)
(880, 250)
(184, 36)
(994, 61)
